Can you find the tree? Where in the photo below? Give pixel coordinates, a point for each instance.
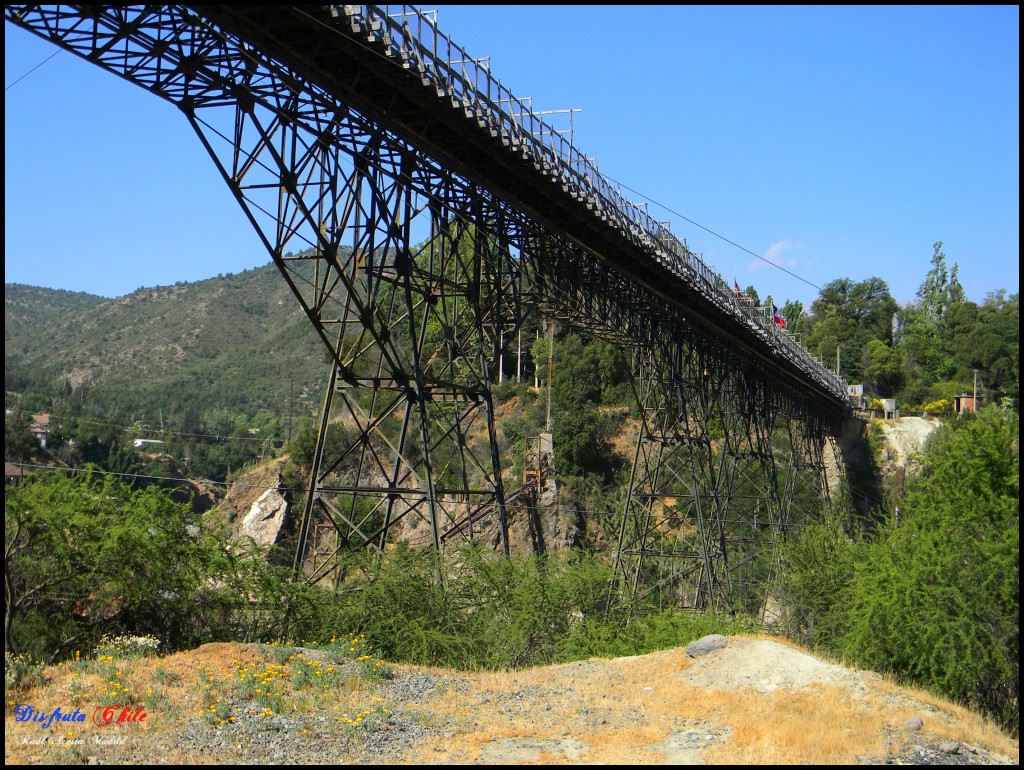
(936, 599)
(86, 554)
(819, 572)
(19, 444)
(797, 322)
(883, 368)
(828, 332)
(918, 340)
(986, 338)
(848, 315)
(585, 373)
(583, 445)
(939, 289)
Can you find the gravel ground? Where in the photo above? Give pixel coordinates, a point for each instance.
(641, 710)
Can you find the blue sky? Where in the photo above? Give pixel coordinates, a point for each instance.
(831, 141)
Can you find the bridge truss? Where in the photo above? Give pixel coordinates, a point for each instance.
(421, 214)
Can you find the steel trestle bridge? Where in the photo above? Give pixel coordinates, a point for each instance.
(422, 215)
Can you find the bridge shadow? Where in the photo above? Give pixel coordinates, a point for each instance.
(863, 475)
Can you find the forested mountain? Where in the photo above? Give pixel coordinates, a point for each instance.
(26, 308)
(239, 342)
(232, 356)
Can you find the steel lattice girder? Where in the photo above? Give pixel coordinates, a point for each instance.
(706, 503)
(413, 276)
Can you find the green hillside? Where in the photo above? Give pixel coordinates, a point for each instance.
(27, 307)
(232, 356)
(240, 342)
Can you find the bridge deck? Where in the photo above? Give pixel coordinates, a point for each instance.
(400, 71)
(428, 91)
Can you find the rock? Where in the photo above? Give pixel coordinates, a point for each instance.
(949, 747)
(705, 644)
(914, 723)
(265, 518)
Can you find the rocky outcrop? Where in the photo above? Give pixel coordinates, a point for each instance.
(255, 505)
(903, 442)
(265, 517)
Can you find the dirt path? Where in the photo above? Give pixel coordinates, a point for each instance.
(755, 701)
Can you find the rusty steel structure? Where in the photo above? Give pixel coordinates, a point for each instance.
(421, 214)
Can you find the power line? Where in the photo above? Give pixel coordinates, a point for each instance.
(722, 237)
(636, 192)
(9, 87)
(101, 472)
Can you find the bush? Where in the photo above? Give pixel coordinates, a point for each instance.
(127, 647)
(933, 599)
(91, 560)
(21, 672)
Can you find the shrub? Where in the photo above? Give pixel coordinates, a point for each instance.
(127, 647)
(21, 671)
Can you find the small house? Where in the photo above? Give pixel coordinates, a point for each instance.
(14, 474)
(964, 403)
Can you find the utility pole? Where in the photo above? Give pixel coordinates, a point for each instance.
(551, 359)
(501, 358)
(536, 369)
(974, 404)
(291, 401)
(519, 362)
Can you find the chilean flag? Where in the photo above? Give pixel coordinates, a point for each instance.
(777, 317)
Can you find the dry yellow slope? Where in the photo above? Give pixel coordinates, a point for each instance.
(755, 701)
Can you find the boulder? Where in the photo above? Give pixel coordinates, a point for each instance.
(705, 644)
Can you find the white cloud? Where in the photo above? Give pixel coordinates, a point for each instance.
(774, 255)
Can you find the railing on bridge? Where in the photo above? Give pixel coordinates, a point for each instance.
(412, 39)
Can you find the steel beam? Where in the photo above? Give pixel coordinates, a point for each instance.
(417, 235)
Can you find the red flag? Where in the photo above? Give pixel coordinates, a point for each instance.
(777, 317)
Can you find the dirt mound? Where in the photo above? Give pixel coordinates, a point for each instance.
(754, 700)
(764, 665)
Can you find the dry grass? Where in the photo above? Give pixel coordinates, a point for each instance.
(638, 703)
(818, 725)
(623, 711)
(950, 720)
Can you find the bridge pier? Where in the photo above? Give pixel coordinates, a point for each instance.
(715, 485)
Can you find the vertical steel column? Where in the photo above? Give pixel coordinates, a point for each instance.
(672, 538)
(750, 484)
(407, 276)
(703, 425)
(805, 494)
